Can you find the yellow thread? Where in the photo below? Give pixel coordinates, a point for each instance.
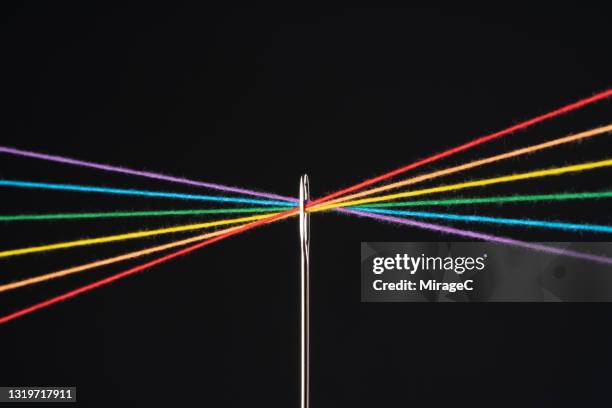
(477, 183)
(130, 235)
(492, 159)
(108, 261)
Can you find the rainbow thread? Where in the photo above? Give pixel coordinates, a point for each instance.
(477, 163)
(320, 204)
(476, 183)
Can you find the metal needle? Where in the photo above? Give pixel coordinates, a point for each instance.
(304, 295)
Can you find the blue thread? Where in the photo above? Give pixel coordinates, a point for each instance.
(494, 220)
(142, 193)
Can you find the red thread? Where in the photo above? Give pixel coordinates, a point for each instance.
(473, 143)
(136, 269)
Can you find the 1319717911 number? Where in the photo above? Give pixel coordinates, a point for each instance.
(39, 393)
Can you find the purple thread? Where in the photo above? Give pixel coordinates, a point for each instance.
(148, 174)
(221, 187)
(485, 237)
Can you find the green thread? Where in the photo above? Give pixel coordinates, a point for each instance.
(119, 214)
(492, 200)
(422, 203)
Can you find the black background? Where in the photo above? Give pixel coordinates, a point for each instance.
(254, 98)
